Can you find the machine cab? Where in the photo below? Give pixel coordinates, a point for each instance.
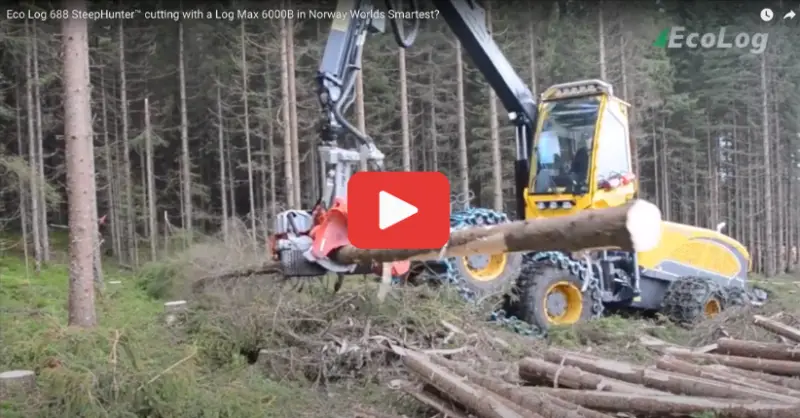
(581, 156)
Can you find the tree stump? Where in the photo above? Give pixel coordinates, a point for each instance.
(16, 382)
(176, 311)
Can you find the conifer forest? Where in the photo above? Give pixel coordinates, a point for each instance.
(199, 121)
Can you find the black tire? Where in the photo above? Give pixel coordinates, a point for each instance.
(500, 284)
(532, 292)
(689, 300)
(736, 296)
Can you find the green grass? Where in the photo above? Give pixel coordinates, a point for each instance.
(129, 366)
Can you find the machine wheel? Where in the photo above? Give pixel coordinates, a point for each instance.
(551, 296)
(691, 299)
(736, 296)
(485, 274)
(481, 275)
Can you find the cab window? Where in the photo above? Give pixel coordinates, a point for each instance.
(613, 153)
(563, 147)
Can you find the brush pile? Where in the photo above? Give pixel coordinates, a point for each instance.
(731, 378)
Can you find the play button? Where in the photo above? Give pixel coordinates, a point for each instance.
(392, 210)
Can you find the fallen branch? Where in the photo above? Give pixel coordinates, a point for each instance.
(635, 226)
(673, 404)
(779, 328)
(743, 348)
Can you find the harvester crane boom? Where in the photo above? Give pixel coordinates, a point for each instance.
(341, 61)
(307, 239)
(467, 20)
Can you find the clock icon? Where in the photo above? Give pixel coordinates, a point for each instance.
(767, 15)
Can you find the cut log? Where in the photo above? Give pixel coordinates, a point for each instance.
(778, 367)
(16, 383)
(434, 402)
(536, 370)
(547, 406)
(776, 393)
(743, 348)
(779, 328)
(473, 398)
(635, 226)
(650, 405)
(657, 379)
(786, 382)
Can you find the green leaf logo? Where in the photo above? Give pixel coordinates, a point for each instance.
(661, 41)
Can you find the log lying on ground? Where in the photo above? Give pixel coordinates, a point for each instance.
(786, 382)
(782, 394)
(433, 401)
(535, 370)
(547, 406)
(658, 379)
(473, 398)
(744, 348)
(778, 367)
(673, 404)
(779, 328)
(635, 226)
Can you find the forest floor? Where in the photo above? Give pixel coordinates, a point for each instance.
(255, 347)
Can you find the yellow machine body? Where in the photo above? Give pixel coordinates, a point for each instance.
(587, 115)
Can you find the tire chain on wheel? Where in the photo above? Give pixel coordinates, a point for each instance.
(464, 219)
(737, 296)
(685, 298)
(481, 216)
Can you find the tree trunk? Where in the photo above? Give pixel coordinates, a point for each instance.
(601, 38)
(463, 152)
(434, 132)
(636, 225)
(186, 162)
(80, 167)
(404, 129)
(361, 116)
(23, 191)
(223, 183)
(293, 112)
(111, 184)
(130, 231)
(474, 398)
(152, 220)
(248, 145)
(494, 134)
(289, 186)
(660, 380)
(672, 405)
(43, 229)
(769, 250)
(32, 158)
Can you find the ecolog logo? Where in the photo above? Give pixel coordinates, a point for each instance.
(678, 37)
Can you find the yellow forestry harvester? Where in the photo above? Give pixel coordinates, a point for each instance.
(573, 153)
